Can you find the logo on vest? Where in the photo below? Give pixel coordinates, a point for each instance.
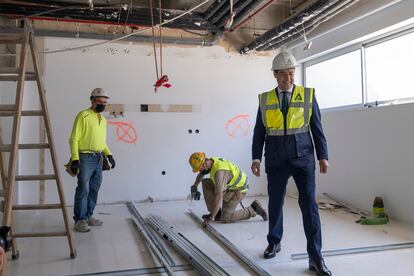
(298, 98)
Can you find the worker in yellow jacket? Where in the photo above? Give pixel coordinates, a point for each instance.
(224, 190)
(87, 147)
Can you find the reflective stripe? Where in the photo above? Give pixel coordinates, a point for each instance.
(237, 180)
(263, 99)
(307, 107)
(272, 106)
(297, 105)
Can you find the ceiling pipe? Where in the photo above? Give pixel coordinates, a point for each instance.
(252, 15)
(308, 26)
(135, 38)
(213, 8)
(222, 11)
(252, 5)
(137, 16)
(240, 6)
(315, 9)
(311, 28)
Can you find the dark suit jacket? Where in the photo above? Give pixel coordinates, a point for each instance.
(279, 149)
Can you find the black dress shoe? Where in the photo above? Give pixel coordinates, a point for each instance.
(271, 251)
(320, 268)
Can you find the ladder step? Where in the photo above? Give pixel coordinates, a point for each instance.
(12, 74)
(40, 235)
(7, 107)
(35, 177)
(15, 38)
(37, 207)
(9, 113)
(7, 148)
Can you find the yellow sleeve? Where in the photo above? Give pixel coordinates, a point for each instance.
(75, 136)
(107, 151)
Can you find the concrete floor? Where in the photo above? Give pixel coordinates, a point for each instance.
(117, 246)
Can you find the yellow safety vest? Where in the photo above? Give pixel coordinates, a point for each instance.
(239, 180)
(298, 116)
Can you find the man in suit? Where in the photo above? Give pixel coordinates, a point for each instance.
(286, 118)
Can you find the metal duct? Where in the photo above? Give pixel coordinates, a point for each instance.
(213, 8)
(314, 10)
(242, 14)
(135, 38)
(240, 6)
(223, 10)
(308, 26)
(132, 17)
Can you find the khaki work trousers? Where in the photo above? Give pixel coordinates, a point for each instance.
(230, 201)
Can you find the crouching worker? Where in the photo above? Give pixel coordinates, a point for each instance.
(223, 191)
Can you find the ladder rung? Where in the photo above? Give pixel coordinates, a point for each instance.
(9, 113)
(16, 38)
(12, 74)
(40, 235)
(7, 107)
(7, 148)
(37, 207)
(35, 177)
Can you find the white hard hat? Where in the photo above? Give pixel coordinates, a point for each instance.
(99, 92)
(284, 60)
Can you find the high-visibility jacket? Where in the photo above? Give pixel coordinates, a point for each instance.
(88, 134)
(297, 118)
(239, 180)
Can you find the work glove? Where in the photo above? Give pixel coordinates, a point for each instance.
(111, 160)
(194, 193)
(74, 167)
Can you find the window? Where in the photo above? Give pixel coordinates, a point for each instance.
(389, 69)
(337, 81)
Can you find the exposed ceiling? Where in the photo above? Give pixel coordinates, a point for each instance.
(254, 25)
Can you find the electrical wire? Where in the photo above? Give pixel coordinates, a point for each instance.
(125, 36)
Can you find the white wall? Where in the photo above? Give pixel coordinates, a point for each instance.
(224, 84)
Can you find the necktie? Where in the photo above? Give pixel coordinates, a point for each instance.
(285, 103)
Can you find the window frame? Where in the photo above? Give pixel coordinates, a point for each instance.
(362, 46)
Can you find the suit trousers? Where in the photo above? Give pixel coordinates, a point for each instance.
(303, 172)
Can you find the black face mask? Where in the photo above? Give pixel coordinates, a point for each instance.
(99, 108)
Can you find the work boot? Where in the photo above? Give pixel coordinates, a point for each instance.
(82, 226)
(257, 207)
(319, 267)
(207, 216)
(94, 222)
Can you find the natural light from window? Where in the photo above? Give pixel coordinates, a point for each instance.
(337, 81)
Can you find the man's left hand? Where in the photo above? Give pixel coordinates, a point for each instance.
(111, 160)
(323, 166)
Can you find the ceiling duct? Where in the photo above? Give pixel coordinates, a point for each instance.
(308, 26)
(317, 8)
(112, 14)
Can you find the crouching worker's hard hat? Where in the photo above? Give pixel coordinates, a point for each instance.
(99, 92)
(284, 60)
(197, 160)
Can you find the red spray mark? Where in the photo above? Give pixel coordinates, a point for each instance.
(125, 132)
(238, 126)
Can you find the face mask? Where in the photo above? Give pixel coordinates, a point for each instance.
(99, 108)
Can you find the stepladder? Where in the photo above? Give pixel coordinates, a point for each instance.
(9, 173)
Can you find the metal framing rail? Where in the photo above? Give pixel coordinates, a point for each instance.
(200, 261)
(149, 242)
(230, 246)
(357, 250)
